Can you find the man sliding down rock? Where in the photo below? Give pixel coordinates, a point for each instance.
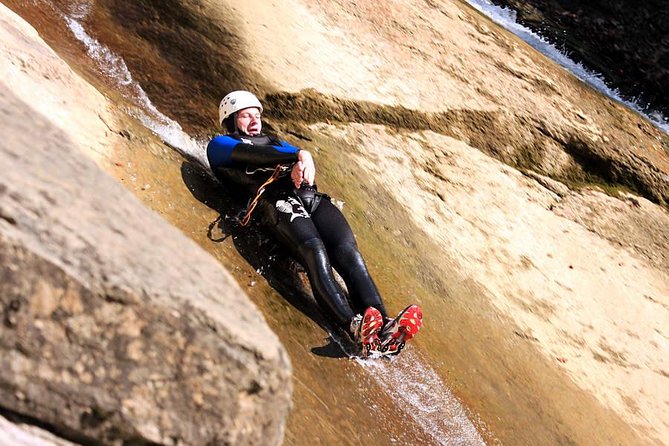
(280, 180)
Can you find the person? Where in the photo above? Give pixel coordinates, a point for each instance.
(280, 179)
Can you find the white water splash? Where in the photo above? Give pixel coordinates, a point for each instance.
(79, 11)
(114, 68)
(421, 394)
(507, 18)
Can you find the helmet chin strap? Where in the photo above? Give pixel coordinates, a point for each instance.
(230, 124)
(233, 118)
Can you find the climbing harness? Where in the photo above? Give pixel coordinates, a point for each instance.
(309, 197)
(249, 210)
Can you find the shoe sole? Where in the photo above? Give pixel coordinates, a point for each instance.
(409, 321)
(372, 321)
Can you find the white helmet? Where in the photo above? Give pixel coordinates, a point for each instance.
(235, 101)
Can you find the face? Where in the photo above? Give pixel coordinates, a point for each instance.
(248, 121)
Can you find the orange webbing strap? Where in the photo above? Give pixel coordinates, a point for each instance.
(261, 189)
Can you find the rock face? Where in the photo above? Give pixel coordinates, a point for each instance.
(114, 326)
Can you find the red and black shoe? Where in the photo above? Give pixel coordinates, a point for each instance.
(398, 331)
(365, 329)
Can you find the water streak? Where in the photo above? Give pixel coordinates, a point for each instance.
(115, 69)
(421, 394)
(507, 18)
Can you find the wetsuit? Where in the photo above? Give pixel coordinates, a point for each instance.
(304, 220)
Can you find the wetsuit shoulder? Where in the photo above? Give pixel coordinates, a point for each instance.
(219, 150)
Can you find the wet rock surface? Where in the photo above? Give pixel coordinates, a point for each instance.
(467, 164)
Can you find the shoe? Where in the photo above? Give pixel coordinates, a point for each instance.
(365, 330)
(396, 332)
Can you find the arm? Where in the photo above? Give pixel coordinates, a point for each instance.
(225, 151)
(304, 170)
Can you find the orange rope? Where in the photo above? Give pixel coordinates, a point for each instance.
(261, 189)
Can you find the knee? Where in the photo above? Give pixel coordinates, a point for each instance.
(312, 248)
(347, 254)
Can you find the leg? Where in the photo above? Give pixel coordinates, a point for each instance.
(346, 258)
(296, 230)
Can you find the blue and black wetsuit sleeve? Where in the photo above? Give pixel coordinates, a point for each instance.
(225, 151)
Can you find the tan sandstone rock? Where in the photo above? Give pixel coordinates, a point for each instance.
(114, 326)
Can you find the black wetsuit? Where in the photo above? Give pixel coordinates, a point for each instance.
(304, 220)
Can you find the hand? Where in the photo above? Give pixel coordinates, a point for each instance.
(304, 170)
